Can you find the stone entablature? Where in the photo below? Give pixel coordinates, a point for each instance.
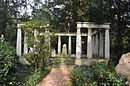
(92, 25)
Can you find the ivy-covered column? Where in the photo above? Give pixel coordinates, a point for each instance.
(25, 43)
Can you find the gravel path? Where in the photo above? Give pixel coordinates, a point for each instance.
(59, 76)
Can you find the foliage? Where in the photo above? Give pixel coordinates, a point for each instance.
(39, 57)
(7, 64)
(97, 74)
(98, 11)
(65, 13)
(26, 75)
(36, 76)
(10, 12)
(119, 33)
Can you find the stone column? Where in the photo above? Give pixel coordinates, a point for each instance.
(101, 45)
(69, 48)
(25, 44)
(19, 41)
(36, 40)
(78, 44)
(96, 45)
(107, 44)
(59, 44)
(93, 43)
(47, 38)
(89, 43)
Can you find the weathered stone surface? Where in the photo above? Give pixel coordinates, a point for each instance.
(123, 66)
(64, 49)
(53, 54)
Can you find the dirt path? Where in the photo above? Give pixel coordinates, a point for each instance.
(59, 76)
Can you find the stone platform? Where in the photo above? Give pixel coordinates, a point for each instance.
(87, 61)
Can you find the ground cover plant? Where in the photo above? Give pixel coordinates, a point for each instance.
(97, 74)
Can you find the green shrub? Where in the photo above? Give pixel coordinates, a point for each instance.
(97, 74)
(37, 76)
(7, 64)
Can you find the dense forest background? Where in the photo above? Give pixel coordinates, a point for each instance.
(62, 15)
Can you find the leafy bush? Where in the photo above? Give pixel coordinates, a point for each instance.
(39, 58)
(37, 76)
(97, 74)
(7, 63)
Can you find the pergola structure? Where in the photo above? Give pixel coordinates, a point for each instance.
(95, 40)
(90, 40)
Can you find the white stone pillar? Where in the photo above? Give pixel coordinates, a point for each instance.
(107, 44)
(36, 40)
(96, 45)
(25, 44)
(101, 45)
(19, 41)
(89, 43)
(78, 44)
(59, 44)
(69, 47)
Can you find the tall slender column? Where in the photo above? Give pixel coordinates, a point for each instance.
(93, 43)
(101, 45)
(96, 45)
(107, 44)
(78, 44)
(69, 48)
(59, 44)
(47, 38)
(25, 44)
(89, 43)
(19, 41)
(36, 40)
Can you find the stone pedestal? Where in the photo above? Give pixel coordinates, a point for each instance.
(53, 54)
(64, 49)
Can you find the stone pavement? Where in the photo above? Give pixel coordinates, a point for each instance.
(59, 76)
